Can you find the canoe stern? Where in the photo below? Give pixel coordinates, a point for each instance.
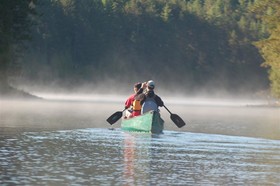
(148, 122)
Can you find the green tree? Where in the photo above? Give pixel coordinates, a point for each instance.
(269, 12)
(166, 12)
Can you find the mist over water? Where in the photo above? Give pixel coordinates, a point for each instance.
(174, 99)
(112, 88)
(71, 111)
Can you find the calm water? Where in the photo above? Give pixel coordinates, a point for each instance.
(69, 143)
(113, 157)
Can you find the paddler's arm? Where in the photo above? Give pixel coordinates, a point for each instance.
(141, 90)
(159, 101)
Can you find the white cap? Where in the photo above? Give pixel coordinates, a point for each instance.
(151, 84)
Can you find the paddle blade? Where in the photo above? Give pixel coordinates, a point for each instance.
(177, 120)
(114, 117)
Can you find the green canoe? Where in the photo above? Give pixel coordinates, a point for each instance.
(148, 122)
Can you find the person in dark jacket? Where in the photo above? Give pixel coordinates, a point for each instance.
(149, 100)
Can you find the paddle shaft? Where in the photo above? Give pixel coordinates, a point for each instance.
(167, 109)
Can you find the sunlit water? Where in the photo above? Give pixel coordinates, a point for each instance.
(70, 143)
(114, 157)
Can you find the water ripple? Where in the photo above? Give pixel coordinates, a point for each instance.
(114, 157)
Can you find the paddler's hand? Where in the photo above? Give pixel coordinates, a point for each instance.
(144, 85)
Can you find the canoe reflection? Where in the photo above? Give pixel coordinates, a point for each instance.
(137, 150)
(129, 157)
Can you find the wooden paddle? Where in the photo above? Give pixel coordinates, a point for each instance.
(176, 119)
(115, 117)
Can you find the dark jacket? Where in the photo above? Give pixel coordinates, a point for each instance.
(151, 94)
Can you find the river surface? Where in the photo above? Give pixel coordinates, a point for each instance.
(70, 143)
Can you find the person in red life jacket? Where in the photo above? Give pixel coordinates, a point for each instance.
(149, 100)
(130, 100)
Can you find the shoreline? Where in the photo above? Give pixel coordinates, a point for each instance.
(274, 105)
(9, 92)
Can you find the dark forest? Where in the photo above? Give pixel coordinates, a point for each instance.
(190, 45)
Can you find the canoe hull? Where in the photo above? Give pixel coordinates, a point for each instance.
(149, 122)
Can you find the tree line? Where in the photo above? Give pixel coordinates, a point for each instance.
(187, 44)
